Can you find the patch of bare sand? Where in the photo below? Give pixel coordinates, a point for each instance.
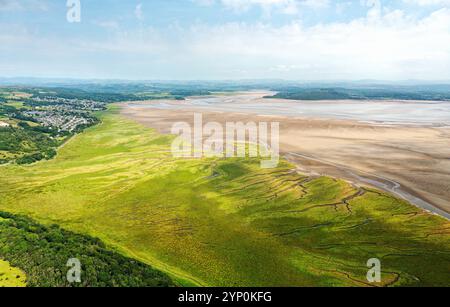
(418, 158)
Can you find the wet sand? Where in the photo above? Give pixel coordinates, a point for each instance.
(411, 160)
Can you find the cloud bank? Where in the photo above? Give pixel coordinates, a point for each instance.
(281, 6)
(384, 44)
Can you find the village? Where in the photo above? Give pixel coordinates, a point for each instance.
(62, 121)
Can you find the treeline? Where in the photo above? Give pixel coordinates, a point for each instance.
(32, 144)
(315, 94)
(115, 92)
(77, 94)
(12, 112)
(42, 252)
(80, 128)
(387, 93)
(5, 109)
(103, 97)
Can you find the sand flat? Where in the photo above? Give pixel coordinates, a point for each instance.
(410, 158)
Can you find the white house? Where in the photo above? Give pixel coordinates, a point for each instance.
(3, 124)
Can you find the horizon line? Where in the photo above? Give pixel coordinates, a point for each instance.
(78, 79)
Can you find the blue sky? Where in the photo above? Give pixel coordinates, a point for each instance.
(227, 39)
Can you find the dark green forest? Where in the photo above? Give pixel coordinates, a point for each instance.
(48, 248)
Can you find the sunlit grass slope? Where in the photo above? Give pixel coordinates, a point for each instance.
(225, 222)
(11, 276)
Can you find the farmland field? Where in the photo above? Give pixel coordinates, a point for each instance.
(225, 222)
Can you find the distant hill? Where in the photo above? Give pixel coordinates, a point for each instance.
(378, 92)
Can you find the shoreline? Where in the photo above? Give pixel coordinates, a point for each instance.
(412, 163)
(406, 113)
(384, 184)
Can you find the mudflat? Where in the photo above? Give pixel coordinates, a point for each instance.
(408, 157)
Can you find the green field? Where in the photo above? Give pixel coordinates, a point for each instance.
(15, 104)
(10, 276)
(225, 222)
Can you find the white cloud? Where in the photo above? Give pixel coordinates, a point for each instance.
(388, 44)
(21, 5)
(384, 45)
(428, 2)
(281, 6)
(138, 12)
(107, 24)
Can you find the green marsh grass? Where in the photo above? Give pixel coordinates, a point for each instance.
(225, 222)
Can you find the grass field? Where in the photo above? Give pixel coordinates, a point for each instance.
(10, 276)
(225, 222)
(15, 104)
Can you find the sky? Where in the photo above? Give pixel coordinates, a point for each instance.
(226, 39)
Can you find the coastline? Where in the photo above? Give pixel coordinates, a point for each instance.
(409, 162)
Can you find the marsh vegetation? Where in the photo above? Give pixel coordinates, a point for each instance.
(225, 222)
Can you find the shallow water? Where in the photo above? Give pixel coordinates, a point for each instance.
(382, 112)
